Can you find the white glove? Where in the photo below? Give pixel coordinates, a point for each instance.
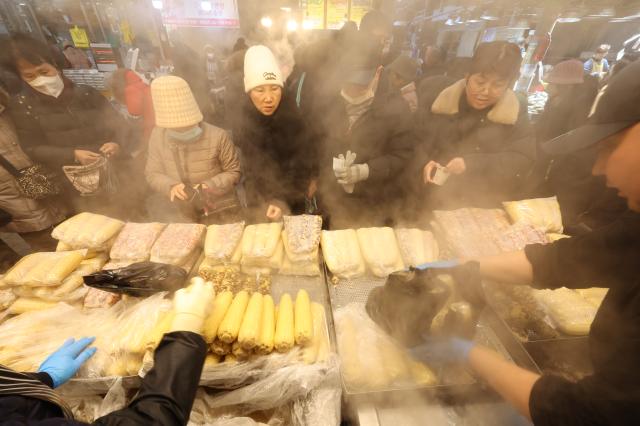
(353, 174)
(192, 306)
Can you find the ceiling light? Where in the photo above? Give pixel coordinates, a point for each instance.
(292, 25)
(285, 9)
(266, 22)
(206, 6)
(307, 25)
(157, 4)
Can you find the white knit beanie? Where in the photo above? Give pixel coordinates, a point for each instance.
(261, 67)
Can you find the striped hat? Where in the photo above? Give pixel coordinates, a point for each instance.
(174, 103)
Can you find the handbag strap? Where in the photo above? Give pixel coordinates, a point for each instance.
(8, 166)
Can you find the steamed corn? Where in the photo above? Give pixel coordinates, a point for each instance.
(284, 337)
(230, 325)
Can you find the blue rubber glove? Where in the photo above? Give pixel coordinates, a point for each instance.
(63, 363)
(441, 264)
(444, 350)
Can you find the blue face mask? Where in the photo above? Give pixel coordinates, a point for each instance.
(191, 135)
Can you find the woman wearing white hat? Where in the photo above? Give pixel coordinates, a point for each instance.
(277, 149)
(192, 166)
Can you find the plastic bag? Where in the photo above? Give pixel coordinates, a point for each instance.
(417, 246)
(139, 279)
(88, 230)
(380, 250)
(135, 241)
(222, 243)
(571, 313)
(341, 253)
(177, 242)
(260, 242)
(541, 213)
(303, 234)
(44, 269)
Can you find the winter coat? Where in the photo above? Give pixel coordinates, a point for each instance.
(211, 160)
(278, 154)
(165, 398)
(497, 145)
(137, 95)
(50, 129)
(28, 215)
(382, 138)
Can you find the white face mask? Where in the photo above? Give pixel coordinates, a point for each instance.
(50, 86)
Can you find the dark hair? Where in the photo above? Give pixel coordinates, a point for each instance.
(499, 57)
(374, 20)
(22, 46)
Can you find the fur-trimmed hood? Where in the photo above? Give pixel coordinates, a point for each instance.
(506, 111)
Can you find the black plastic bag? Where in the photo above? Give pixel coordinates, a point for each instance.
(139, 279)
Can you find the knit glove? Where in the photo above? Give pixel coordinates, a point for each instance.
(63, 364)
(353, 174)
(191, 306)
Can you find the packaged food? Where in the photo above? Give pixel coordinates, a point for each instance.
(222, 243)
(100, 299)
(303, 234)
(541, 213)
(260, 242)
(7, 297)
(88, 230)
(570, 313)
(341, 252)
(177, 242)
(44, 269)
(416, 246)
(380, 250)
(135, 241)
(593, 295)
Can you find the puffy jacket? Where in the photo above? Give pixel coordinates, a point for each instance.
(50, 129)
(28, 215)
(211, 160)
(497, 145)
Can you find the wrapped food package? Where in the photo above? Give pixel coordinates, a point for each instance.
(380, 250)
(518, 236)
(25, 304)
(88, 230)
(259, 242)
(7, 297)
(135, 241)
(177, 242)
(304, 264)
(417, 246)
(303, 234)
(571, 313)
(553, 237)
(96, 298)
(273, 263)
(593, 295)
(541, 213)
(341, 252)
(222, 244)
(44, 269)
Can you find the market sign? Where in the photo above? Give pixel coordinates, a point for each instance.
(79, 37)
(191, 13)
(359, 8)
(314, 13)
(337, 13)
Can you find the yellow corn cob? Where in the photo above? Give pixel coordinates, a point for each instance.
(250, 328)
(230, 325)
(303, 321)
(23, 305)
(239, 352)
(283, 340)
(267, 326)
(310, 352)
(211, 360)
(220, 306)
(220, 348)
(162, 326)
(393, 361)
(420, 373)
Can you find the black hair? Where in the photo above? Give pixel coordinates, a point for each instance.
(22, 46)
(499, 57)
(374, 20)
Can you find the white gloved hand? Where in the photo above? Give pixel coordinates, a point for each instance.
(192, 305)
(353, 174)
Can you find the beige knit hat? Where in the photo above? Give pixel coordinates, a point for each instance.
(261, 67)
(174, 103)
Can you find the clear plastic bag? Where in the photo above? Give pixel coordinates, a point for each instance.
(44, 269)
(541, 213)
(135, 241)
(302, 234)
(571, 313)
(380, 250)
(177, 242)
(341, 252)
(222, 243)
(417, 246)
(88, 230)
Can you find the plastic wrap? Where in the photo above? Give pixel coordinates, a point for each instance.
(417, 246)
(100, 299)
(135, 241)
(371, 360)
(139, 279)
(303, 234)
(7, 297)
(259, 264)
(380, 250)
(571, 313)
(341, 253)
(88, 230)
(44, 269)
(541, 213)
(553, 237)
(177, 242)
(260, 242)
(222, 243)
(593, 295)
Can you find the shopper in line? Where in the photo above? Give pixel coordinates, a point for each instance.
(476, 130)
(402, 77)
(434, 62)
(608, 258)
(192, 166)
(166, 394)
(278, 151)
(597, 65)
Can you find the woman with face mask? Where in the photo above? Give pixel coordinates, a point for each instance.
(192, 166)
(474, 133)
(277, 149)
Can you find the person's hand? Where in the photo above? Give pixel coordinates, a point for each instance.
(274, 213)
(110, 149)
(456, 166)
(177, 191)
(192, 306)
(443, 350)
(353, 174)
(85, 157)
(63, 363)
(427, 171)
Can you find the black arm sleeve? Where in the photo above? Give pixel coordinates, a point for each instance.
(167, 392)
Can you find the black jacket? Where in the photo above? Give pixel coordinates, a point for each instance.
(165, 397)
(278, 153)
(607, 257)
(497, 145)
(50, 129)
